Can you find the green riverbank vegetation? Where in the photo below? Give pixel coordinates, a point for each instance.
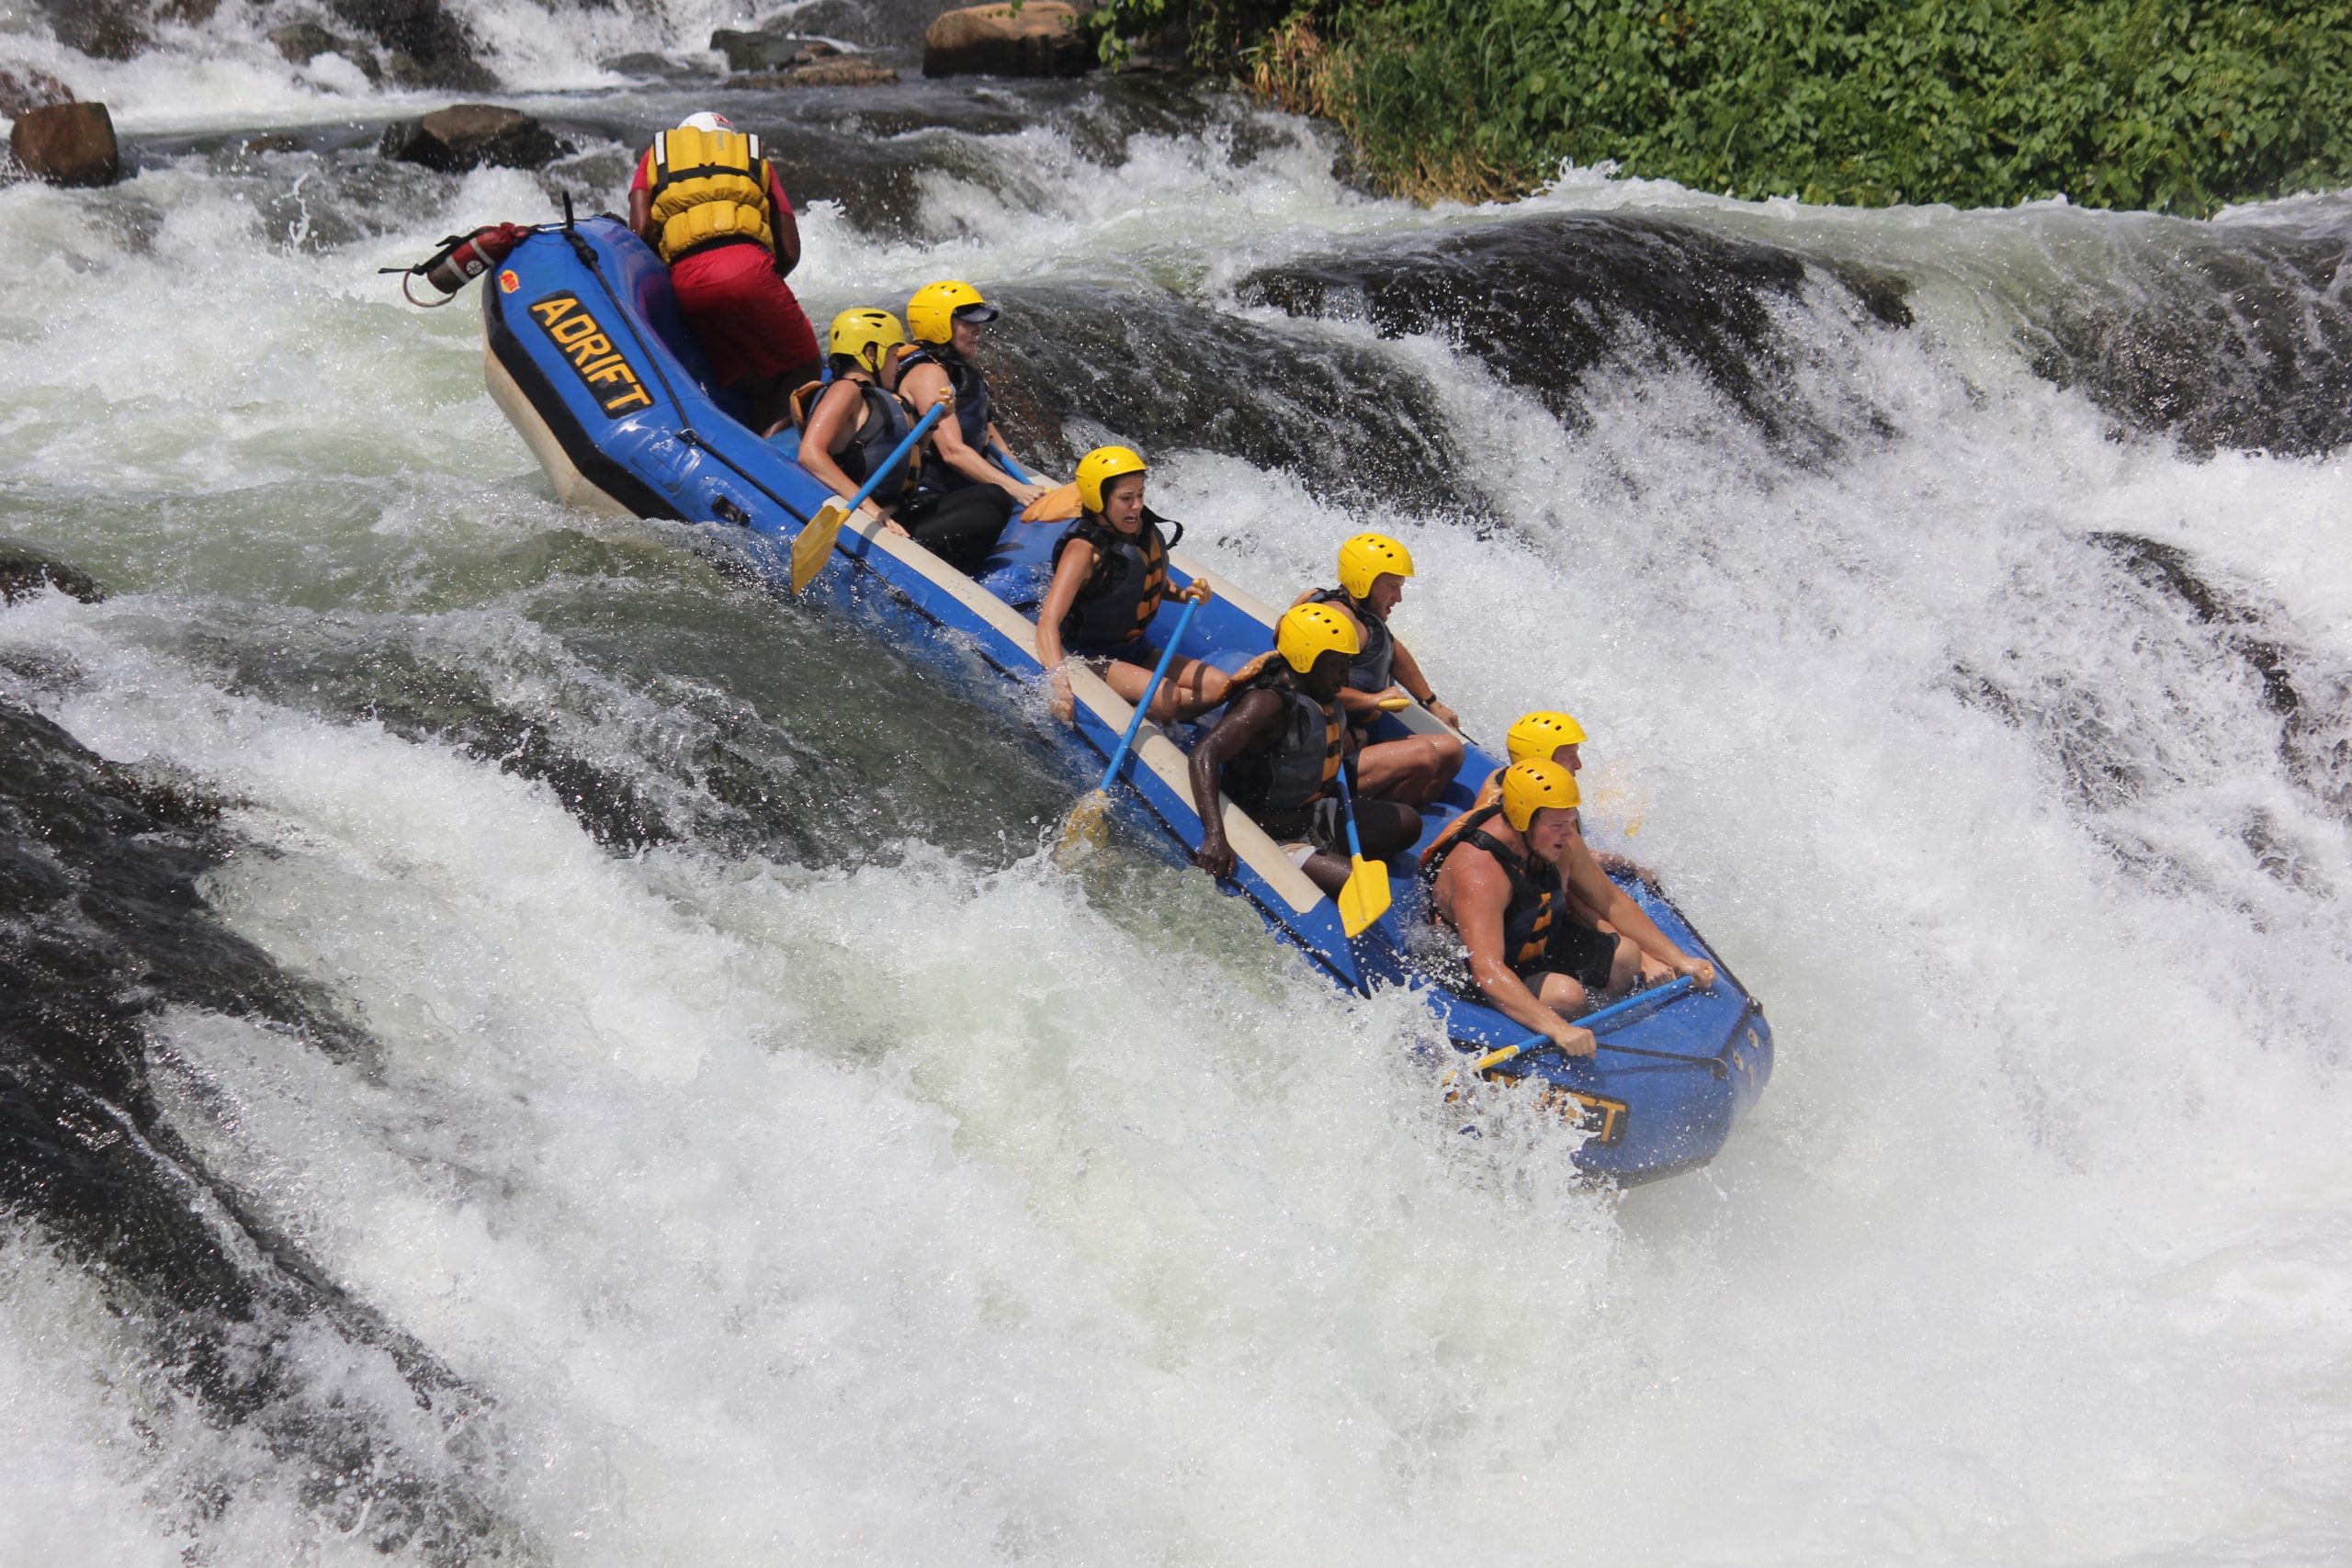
(2175, 105)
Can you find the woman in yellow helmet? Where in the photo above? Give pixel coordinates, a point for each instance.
(706, 197)
(1278, 750)
(965, 499)
(856, 421)
(1416, 768)
(1504, 883)
(1110, 577)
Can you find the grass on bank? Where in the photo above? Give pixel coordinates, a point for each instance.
(2176, 106)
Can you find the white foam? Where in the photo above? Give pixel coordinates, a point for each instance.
(934, 1212)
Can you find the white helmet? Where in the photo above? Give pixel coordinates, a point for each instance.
(708, 120)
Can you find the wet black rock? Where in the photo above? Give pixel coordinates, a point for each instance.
(67, 144)
(425, 45)
(2235, 336)
(302, 42)
(1163, 372)
(466, 136)
(102, 928)
(24, 573)
(25, 87)
(102, 29)
(869, 24)
(1543, 300)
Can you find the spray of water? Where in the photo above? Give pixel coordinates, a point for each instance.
(923, 1204)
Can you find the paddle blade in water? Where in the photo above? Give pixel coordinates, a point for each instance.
(1087, 828)
(1366, 897)
(816, 543)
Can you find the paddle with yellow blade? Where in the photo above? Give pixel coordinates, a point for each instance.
(1364, 898)
(815, 541)
(1087, 824)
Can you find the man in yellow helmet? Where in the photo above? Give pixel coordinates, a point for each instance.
(965, 497)
(1416, 769)
(706, 197)
(1503, 885)
(1545, 734)
(1278, 750)
(1110, 577)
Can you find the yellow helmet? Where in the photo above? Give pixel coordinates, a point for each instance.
(1536, 785)
(931, 313)
(1099, 467)
(864, 328)
(1367, 557)
(1306, 632)
(1538, 735)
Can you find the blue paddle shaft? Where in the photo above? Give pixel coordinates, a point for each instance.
(1112, 772)
(1614, 1013)
(1348, 810)
(922, 428)
(1005, 459)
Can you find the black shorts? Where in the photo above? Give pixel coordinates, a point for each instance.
(1137, 652)
(1582, 954)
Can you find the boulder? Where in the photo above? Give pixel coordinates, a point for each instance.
(68, 144)
(1037, 39)
(22, 88)
(757, 51)
(466, 136)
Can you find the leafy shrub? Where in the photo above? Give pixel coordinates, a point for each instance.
(2171, 104)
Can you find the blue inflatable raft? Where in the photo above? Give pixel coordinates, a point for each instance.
(589, 358)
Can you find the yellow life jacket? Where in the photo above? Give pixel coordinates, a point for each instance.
(708, 188)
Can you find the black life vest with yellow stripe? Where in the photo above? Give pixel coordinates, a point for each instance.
(1536, 904)
(882, 424)
(1297, 770)
(1370, 670)
(1129, 584)
(708, 188)
(972, 411)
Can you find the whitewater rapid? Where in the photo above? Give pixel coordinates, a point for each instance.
(792, 1167)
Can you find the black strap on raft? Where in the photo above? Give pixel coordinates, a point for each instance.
(687, 434)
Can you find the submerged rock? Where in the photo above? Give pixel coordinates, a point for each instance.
(466, 136)
(869, 24)
(1038, 38)
(302, 42)
(22, 88)
(24, 573)
(102, 29)
(758, 51)
(68, 144)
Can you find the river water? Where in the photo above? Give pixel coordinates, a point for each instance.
(624, 1086)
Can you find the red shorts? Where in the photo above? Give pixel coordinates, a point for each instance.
(741, 314)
